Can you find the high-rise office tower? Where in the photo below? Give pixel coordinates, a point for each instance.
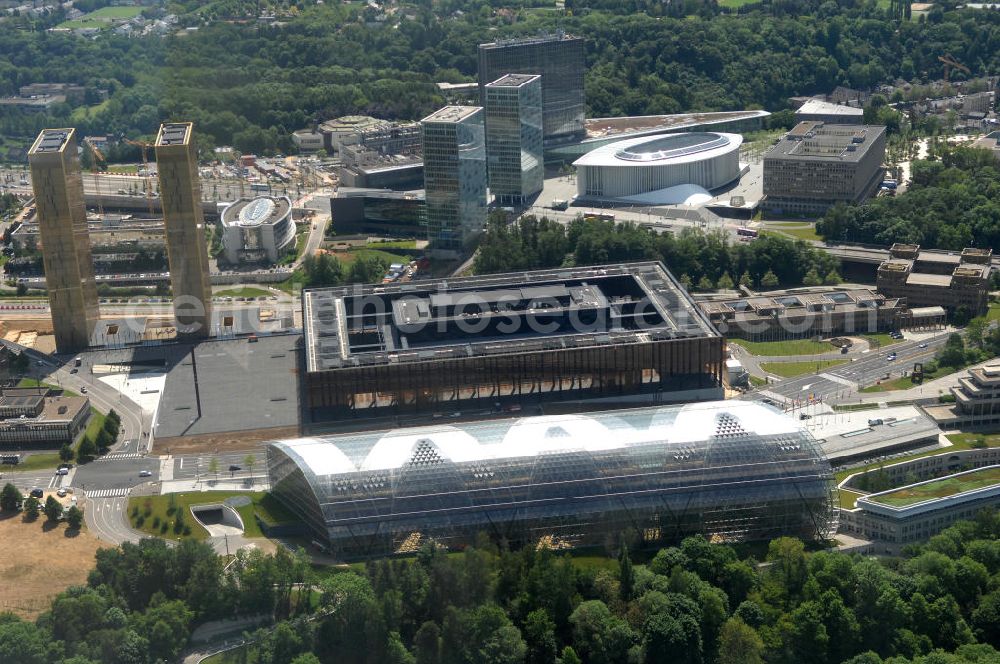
(183, 217)
(514, 137)
(560, 59)
(62, 223)
(455, 177)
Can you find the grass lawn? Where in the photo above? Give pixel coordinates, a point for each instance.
(43, 562)
(392, 244)
(790, 347)
(123, 168)
(847, 498)
(43, 461)
(735, 4)
(994, 311)
(81, 113)
(245, 291)
(350, 256)
(905, 383)
(103, 17)
(882, 338)
(792, 369)
(757, 381)
(154, 509)
(946, 486)
(960, 441)
(801, 230)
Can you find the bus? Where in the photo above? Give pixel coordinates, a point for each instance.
(744, 232)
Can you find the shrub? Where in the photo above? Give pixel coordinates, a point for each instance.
(139, 521)
(163, 528)
(187, 530)
(156, 522)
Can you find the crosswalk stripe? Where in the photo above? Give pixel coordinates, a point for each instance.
(116, 456)
(108, 493)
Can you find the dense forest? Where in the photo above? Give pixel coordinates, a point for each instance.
(699, 259)
(250, 84)
(953, 202)
(696, 603)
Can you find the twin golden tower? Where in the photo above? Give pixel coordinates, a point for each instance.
(62, 221)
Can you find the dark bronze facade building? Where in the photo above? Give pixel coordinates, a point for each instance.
(613, 335)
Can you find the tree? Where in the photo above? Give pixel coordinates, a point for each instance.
(104, 440)
(725, 282)
(22, 289)
(769, 280)
(10, 497)
(53, 509)
(832, 278)
(31, 508)
(539, 634)
(705, 284)
(626, 575)
(746, 279)
(213, 467)
(249, 461)
(66, 453)
(87, 450)
(812, 278)
(74, 517)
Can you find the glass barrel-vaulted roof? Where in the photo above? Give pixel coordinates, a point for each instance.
(717, 466)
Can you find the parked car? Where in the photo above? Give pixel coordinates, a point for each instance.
(61, 492)
(62, 471)
(36, 493)
(233, 468)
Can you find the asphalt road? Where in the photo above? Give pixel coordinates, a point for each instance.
(842, 381)
(108, 519)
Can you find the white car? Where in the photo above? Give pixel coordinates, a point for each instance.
(61, 493)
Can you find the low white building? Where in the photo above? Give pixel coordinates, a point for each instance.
(258, 230)
(657, 169)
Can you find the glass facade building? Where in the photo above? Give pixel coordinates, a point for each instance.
(514, 138)
(455, 179)
(733, 471)
(561, 61)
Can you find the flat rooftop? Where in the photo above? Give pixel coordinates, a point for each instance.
(826, 142)
(174, 133)
(537, 39)
(429, 320)
(452, 114)
(609, 127)
(924, 279)
(819, 107)
(847, 435)
(512, 80)
(222, 386)
(51, 140)
(942, 487)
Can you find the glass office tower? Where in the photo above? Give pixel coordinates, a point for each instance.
(561, 61)
(514, 138)
(455, 177)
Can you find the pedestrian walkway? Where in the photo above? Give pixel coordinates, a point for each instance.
(107, 493)
(114, 456)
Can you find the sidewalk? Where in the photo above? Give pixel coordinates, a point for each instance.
(192, 484)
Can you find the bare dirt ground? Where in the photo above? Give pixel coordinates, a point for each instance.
(40, 562)
(230, 441)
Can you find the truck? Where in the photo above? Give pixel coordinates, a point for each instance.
(559, 204)
(78, 361)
